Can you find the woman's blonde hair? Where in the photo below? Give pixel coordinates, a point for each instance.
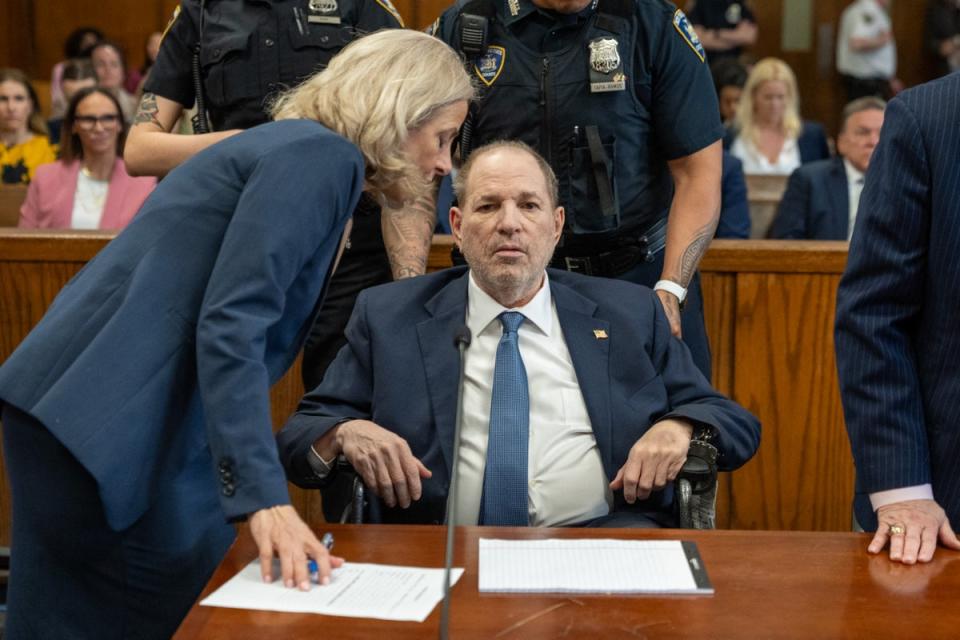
(373, 93)
(764, 71)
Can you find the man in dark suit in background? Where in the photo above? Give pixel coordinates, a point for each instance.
(603, 400)
(897, 338)
(821, 199)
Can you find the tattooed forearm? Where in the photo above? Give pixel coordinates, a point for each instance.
(694, 252)
(407, 234)
(148, 110)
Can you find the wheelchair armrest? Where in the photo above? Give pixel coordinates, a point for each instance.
(695, 489)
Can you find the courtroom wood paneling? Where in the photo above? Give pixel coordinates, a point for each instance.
(11, 197)
(769, 314)
(787, 377)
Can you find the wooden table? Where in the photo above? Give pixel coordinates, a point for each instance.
(768, 585)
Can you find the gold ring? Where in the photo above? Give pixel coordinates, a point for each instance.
(896, 529)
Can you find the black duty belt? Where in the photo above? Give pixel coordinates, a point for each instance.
(623, 256)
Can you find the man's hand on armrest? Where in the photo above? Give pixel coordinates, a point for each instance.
(654, 460)
(382, 458)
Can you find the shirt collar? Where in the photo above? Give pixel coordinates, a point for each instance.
(853, 174)
(483, 309)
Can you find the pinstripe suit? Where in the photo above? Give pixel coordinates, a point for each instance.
(898, 306)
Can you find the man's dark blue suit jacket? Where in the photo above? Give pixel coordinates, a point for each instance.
(815, 204)
(400, 369)
(898, 306)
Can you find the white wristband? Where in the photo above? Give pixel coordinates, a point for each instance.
(671, 287)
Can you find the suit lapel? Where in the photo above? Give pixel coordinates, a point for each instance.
(839, 192)
(441, 362)
(588, 340)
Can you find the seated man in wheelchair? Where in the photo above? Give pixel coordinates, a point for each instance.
(579, 405)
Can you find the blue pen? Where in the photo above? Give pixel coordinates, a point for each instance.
(327, 541)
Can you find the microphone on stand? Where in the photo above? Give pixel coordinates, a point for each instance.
(461, 340)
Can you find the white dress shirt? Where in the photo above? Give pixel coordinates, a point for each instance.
(566, 480)
(865, 19)
(755, 163)
(854, 189)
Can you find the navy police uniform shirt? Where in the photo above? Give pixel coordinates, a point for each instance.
(253, 49)
(631, 70)
(721, 14)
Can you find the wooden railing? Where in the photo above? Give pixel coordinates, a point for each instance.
(769, 305)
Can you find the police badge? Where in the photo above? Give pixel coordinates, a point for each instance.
(606, 69)
(323, 12)
(733, 14)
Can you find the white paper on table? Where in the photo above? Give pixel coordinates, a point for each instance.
(356, 590)
(591, 566)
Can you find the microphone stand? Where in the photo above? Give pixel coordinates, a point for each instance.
(461, 340)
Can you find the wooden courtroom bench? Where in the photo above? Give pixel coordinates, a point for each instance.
(11, 197)
(763, 197)
(769, 314)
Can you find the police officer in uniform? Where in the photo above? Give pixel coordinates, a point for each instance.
(725, 27)
(615, 94)
(240, 54)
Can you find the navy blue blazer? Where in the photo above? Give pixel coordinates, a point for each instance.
(898, 306)
(815, 204)
(734, 208)
(812, 142)
(400, 369)
(164, 346)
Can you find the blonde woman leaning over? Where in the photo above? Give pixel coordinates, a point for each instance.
(136, 415)
(768, 135)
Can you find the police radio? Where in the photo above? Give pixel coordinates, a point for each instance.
(199, 120)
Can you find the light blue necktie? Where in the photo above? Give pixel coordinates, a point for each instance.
(504, 500)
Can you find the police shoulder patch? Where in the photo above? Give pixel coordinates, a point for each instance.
(489, 65)
(386, 4)
(685, 29)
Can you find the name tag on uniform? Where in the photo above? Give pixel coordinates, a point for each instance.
(323, 12)
(606, 67)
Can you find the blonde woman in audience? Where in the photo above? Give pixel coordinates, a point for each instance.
(768, 135)
(88, 188)
(23, 132)
(110, 66)
(142, 398)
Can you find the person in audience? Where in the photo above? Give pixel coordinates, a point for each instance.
(136, 414)
(866, 50)
(77, 45)
(729, 78)
(596, 407)
(822, 198)
(942, 34)
(23, 133)
(725, 27)
(110, 65)
(77, 74)
(768, 135)
(137, 77)
(88, 188)
(896, 331)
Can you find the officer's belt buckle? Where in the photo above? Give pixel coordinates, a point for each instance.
(579, 265)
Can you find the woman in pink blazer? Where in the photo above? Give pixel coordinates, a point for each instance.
(89, 187)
